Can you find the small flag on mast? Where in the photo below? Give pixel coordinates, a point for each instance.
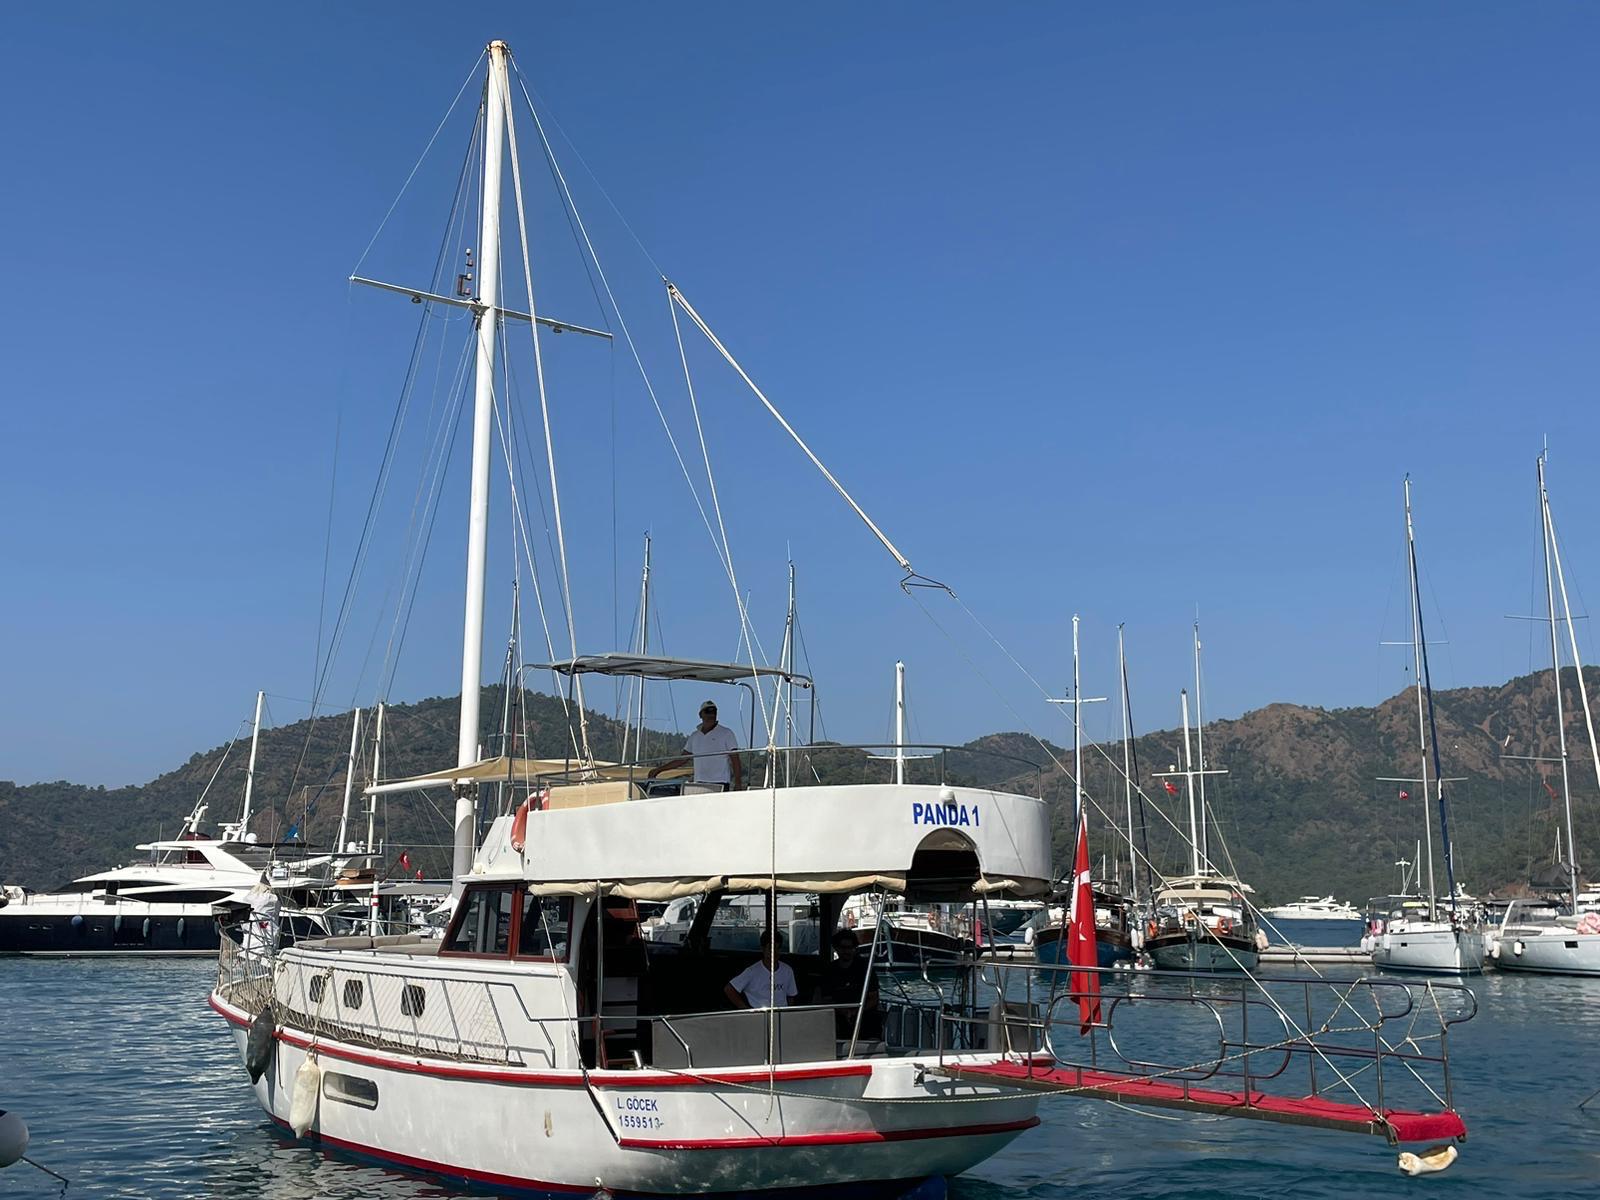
(1172, 788)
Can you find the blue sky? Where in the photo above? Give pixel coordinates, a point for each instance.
(1123, 311)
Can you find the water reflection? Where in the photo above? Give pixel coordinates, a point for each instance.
(131, 1088)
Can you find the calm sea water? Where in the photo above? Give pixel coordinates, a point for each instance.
(132, 1089)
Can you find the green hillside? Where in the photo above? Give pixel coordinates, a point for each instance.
(1300, 809)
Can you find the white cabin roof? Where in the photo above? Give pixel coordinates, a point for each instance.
(842, 838)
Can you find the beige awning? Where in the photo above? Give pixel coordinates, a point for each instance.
(671, 889)
(519, 770)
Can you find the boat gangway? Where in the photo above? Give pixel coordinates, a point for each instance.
(1364, 1055)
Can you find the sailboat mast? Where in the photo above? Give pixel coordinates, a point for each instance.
(495, 93)
(1433, 731)
(631, 725)
(1127, 773)
(250, 771)
(1200, 745)
(1416, 658)
(349, 784)
(899, 722)
(1077, 732)
(377, 777)
(1547, 536)
(1188, 781)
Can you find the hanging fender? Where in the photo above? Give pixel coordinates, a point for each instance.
(519, 825)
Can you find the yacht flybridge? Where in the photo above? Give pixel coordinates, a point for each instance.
(544, 1043)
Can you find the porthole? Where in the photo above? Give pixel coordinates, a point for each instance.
(318, 985)
(350, 1089)
(352, 993)
(413, 1000)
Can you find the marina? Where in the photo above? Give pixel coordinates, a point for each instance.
(548, 868)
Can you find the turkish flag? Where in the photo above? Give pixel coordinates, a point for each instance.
(405, 860)
(1172, 788)
(1549, 789)
(1081, 952)
(419, 874)
(1404, 795)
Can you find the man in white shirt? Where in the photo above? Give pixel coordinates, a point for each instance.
(715, 751)
(766, 983)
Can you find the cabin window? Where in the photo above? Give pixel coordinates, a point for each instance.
(546, 921)
(483, 924)
(352, 993)
(413, 1000)
(319, 984)
(350, 1089)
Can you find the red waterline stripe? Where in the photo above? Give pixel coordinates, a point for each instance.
(439, 1168)
(573, 1079)
(854, 1137)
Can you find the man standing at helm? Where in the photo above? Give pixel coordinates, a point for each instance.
(715, 751)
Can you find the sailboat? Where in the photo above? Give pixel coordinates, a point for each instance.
(530, 1047)
(1113, 934)
(1570, 943)
(1416, 933)
(1203, 921)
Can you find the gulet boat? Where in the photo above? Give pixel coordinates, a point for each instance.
(544, 1043)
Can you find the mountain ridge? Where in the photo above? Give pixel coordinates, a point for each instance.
(1302, 808)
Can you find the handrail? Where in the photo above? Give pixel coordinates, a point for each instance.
(635, 771)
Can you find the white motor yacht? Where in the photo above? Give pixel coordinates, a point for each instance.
(1314, 908)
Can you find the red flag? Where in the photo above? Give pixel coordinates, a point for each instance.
(1404, 795)
(1172, 788)
(419, 874)
(1081, 952)
(405, 860)
(1549, 789)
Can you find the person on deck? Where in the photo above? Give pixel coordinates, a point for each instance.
(847, 975)
(765, 983)
(715, 751)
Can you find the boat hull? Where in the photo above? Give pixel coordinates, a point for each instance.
(1549, 951)
(1202, 952)
(916, 947)
(158, 930)
(1110, 949)
(1438, 951)
(642, 1131)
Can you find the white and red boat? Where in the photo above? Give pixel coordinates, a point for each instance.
(544, 1043)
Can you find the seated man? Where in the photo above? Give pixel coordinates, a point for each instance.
(842, 983)
(715, 751)
(765, 983)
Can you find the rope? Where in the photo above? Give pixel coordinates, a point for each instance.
(544, 408)
(622, 322)
(722, 529)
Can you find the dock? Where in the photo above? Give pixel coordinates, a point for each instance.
(1320, 956)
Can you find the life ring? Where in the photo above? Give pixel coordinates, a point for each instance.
(519, 825)
(1224, 925)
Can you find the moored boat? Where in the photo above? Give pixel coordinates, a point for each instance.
(1314, 908)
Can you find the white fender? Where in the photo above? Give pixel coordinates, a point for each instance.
(13, 1138)
(307, 1087)
(1435, 1158)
